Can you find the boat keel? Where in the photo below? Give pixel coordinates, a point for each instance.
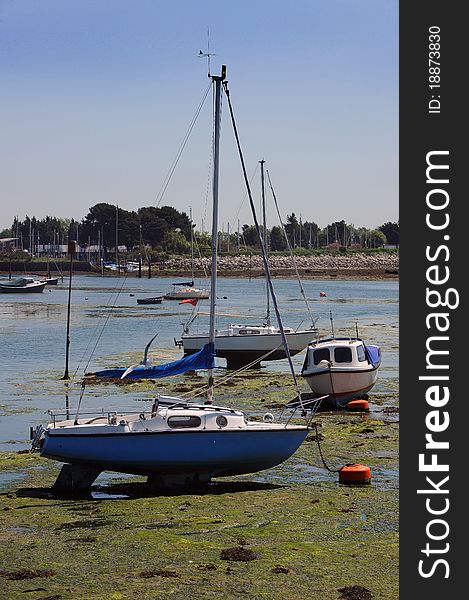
(75, 480)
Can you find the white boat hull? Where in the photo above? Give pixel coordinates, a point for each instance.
(342, 386)
(193, 294)
(341, 368)
(243, 349)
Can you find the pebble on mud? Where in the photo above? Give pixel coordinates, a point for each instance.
(279, 569)
(238, 553)
(355, 592)
(158, 573)
(27, 573)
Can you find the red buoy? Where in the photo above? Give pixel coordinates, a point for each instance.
(354, 473)
(358, 405)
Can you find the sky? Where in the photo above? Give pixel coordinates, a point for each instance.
(97, 97)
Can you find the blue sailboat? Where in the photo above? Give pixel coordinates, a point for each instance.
(175, 441)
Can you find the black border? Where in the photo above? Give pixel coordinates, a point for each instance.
(421, 132)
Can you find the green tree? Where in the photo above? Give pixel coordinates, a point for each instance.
(391, 231)
(292, 227)
(100, 222)
(153, 227)
(277, 239)
(250, 236)
(376, 238)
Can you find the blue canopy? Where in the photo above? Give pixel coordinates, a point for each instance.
(374, 355)
(203, 359)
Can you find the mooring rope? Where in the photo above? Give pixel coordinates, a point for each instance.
(321, 454)
(231, 375)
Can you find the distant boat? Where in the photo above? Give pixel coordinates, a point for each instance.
(155, 300)
(22, 285)
(186, 293)
(110, 266)
(51, 281)
(131, 266)
(342, 368)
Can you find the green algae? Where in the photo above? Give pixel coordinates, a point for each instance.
(309, 535)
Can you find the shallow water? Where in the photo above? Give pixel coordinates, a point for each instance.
(109, 328)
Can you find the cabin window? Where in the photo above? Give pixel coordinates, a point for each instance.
(361, 353)
(249, 332)
(321, 354)
(184, 421)
(343, 355)
(222, 421)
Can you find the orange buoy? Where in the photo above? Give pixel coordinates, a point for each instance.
(353, 473)
(358, 405)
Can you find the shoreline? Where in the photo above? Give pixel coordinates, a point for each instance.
(379, 265)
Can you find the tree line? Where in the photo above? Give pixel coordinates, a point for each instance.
(165, 229)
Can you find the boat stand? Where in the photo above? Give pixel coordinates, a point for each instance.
(75, 480)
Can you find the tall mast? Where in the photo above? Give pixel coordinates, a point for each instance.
(267, 295)
(117, 238)
(192, 245)
(217, 80)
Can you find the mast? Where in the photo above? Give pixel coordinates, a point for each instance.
(192, 245)
(264, 222)
(117, 238)
(217, 80)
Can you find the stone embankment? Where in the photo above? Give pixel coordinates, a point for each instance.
(357, 264)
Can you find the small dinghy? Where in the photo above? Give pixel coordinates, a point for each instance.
(155, 300)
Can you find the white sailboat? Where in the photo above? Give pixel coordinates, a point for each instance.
(174, 442)
(186, 290)
(243, 344)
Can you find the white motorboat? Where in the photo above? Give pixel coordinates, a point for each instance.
(342, 368)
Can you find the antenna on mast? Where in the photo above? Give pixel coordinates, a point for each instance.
(207, 54)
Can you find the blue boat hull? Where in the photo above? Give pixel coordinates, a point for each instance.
(212, 453)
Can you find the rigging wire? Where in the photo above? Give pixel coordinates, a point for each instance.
(245, 194)
(209, 172)
(230, 376)
(313, 321)
(101, 332)
(262, 245)
(173, 166)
